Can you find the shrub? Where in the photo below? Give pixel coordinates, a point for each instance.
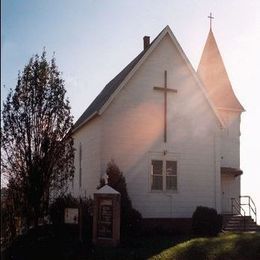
(87, 219)
(206, 222)
(58, 206)
(57, 213)
(131, 219)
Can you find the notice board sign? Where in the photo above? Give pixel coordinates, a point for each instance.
(71, 215)
(105, 219)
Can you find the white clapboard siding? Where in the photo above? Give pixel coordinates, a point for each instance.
(130, 131)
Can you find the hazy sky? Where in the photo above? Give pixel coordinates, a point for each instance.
(94, 39)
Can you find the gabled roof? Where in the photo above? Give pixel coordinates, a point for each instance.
(106, 190)
(110, 90)
(212, 72)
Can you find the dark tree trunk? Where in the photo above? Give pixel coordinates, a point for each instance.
(36, 217)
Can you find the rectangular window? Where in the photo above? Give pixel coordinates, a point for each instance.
(163, 175)
(171, 175)
(157, 175)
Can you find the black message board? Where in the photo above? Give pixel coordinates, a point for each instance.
(105, 221)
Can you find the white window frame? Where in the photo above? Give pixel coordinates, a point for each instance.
(168, 175)
(158, 175)
(164, 158)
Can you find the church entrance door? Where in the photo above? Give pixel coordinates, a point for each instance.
(226, 190)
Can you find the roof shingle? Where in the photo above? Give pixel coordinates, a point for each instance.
(109, 89)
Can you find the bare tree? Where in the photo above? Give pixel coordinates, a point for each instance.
(37, 148)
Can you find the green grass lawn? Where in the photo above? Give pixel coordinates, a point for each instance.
(48, 243)
(229, 246)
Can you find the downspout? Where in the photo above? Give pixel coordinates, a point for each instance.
(217, 181)
(215, 175)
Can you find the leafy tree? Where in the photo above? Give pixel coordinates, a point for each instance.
(36, 145)
(8, 229)
(130, 218)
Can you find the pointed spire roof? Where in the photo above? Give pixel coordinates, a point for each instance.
(212, 72)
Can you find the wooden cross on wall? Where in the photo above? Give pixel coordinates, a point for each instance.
(165, 89)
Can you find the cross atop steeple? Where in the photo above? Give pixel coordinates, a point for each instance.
(210, 18)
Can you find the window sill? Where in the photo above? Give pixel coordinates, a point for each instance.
(164, 191)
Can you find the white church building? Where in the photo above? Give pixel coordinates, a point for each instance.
(173, 131)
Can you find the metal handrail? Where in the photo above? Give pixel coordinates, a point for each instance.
(239, 209)
(250, 208)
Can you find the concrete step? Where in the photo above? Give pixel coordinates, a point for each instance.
(239, 223)
(241, 230)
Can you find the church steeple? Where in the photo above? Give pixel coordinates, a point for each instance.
(213, 74)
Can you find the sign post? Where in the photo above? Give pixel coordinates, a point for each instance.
(106, 219)
(71, 215)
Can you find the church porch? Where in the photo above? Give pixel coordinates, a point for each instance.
(243, 216)
(230, 188)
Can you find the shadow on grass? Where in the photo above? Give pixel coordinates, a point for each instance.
(62, 242)
(44, 242)
(138, 248)
(247, 246)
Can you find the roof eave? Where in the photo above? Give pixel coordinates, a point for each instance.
(241, 110)
(94, 115)
(229, 171)
(135, 68)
